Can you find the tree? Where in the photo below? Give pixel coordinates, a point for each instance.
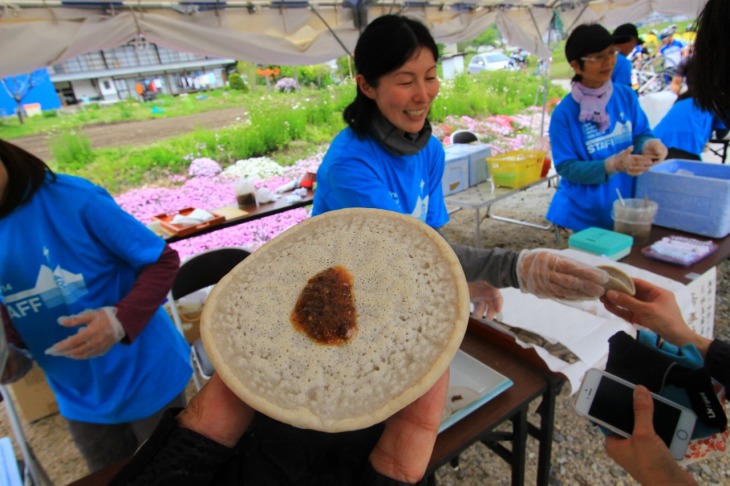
(19, 86)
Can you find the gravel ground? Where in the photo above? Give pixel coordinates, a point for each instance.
(578, 455)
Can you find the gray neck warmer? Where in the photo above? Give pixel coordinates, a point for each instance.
(396, 142)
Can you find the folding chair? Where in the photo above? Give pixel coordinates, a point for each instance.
(196, 273)
(464, 136)
(33, 473)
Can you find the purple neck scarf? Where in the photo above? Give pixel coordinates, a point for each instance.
(593, 103)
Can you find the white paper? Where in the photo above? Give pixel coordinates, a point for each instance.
(582, 327)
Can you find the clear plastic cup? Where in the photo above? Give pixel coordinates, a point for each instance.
(245, 193)
(634, 217)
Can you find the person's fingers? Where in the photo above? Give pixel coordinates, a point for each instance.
(405, 446)
(480, 307)
(217, 413)
(580, 270)
(77, 320)
(643, 412)
(566, 286)
(76, 345)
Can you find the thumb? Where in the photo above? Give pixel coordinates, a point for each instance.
(76, 320)
(643, 410)
(627, 150)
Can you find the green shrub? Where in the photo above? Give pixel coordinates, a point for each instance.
(50, 114)
(236, 82)
(71, 151)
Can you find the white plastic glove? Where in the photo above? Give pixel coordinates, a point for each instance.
(549, 275)
(17, 366)
(655, 150)
(102, 330)
(627, 162)
(487, 300)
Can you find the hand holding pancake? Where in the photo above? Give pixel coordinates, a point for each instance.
(401, 453)
(406, 444)
(655, 308)
(217, 413)
(552, 276)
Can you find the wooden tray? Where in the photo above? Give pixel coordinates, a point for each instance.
(180, 230)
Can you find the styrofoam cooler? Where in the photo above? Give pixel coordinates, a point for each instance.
(477, 154)
(456, 173)
(692, 196)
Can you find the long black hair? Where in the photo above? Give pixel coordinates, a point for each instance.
(26, 174)
(386, 44)
(710, 74)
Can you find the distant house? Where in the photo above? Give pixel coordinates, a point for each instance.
(134, 71)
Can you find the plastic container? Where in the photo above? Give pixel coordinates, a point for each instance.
(601, 242)
(456, 173)
(692, 196)
(517, 168)
(634, 217)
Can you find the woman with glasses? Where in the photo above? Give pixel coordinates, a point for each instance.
(600, 136)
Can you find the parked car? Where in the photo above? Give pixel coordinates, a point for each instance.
(489, 61)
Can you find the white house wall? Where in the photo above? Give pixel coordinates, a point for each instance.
(84, 88)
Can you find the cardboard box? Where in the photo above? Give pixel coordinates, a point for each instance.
(189, 313)
(456, 174)
(692, 196)
(33, 397)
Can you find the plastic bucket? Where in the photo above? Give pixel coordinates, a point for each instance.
(634, 217)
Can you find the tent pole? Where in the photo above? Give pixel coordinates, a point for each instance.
(546, 82)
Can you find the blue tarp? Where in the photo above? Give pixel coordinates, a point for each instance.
(42, 92)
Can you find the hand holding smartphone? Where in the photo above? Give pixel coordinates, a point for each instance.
(607, 400)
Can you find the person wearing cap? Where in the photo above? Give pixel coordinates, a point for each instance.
(600, 136)
(672, 49)
(624, 44)
(633, 48)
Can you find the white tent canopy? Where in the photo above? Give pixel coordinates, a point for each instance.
(38, 33)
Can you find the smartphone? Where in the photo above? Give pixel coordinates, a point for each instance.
(608, 400)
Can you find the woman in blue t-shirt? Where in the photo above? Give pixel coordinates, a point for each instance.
(83, 283)
(387, 158)
(600, 137)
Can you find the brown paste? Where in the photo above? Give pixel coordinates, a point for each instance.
(325, 310)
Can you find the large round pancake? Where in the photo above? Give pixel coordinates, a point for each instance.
(412, 307)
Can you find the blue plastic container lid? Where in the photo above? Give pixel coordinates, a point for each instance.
(600, 241)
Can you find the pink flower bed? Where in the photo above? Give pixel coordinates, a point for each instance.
(209, 187)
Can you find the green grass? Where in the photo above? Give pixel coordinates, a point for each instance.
(283, 126)
(165, 106)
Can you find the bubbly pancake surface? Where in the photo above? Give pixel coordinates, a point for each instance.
(411, 303)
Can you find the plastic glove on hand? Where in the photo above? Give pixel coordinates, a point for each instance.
(628, 163)
(102, 331)
(654, 149)
(487, 300)
(549, 275)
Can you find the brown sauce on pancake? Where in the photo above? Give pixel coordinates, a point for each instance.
(325, 309)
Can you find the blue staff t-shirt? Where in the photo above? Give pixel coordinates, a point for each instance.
(361, 173)
(687, 127)
(580, 204)
(622, 71)
(72, 248)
